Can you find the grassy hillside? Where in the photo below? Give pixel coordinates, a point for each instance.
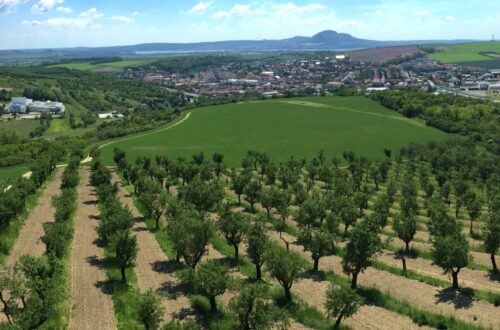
(479, 52)
(282, 128)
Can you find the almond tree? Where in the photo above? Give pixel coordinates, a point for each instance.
(319, 242)
(234, 227)
(491, 233)
(258, 246)
(451, 253)
(211, 280)
(363, 244)
(341, 303)
(284, 267)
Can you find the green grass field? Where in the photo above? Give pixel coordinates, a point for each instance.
(470, 52)
(282, 128)
(111, 66)
(59, 126)
(9, 174)
(23, 127)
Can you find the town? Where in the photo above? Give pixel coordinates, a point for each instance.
(319, 76)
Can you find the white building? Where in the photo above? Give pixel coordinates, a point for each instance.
(19, 105)
(49, 106)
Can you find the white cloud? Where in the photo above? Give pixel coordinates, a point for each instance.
(423, 13)
(43, 6)
(237, 10)
(9, 6)
(291, 8)
(92, 13)
(450, 18)
(122, 19)
(61, 23)
(65, 10)
(200, 7)
(135, 13)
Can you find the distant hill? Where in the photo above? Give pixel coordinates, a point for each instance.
(326, 40)
(323, 41)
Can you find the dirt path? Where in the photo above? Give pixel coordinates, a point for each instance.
(147, 133)
(154, 271)
(28, 242)
(420, 295)
(92, 306)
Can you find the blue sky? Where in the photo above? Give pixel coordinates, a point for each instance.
(67, 23)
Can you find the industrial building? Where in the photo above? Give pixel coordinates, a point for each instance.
(22, 105)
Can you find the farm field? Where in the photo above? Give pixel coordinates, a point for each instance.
(481, 54)
(11, 173)
(103, 67)
(22, 126)
(418, 299)
(298, 127)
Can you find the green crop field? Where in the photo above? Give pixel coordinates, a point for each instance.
(111, 66)
(9, 174)
(282, 128)
(22, 126)
(59, 126)
(469, 53)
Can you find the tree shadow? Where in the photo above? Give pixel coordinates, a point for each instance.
(141, 229)
(172, 290)
(104, 286)
(91, 202)
(494, 276)
(315, 276)
(96, 262)
(94, 217)
(461, 299)
(185, 313)
(166, 266)
(139, 219)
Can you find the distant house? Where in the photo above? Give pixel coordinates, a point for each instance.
(110, 115)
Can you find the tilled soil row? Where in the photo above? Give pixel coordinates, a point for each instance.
(313, 291)
(153, 269)
(477, 257)
(92, 305)
(420, 295)
(29, 240)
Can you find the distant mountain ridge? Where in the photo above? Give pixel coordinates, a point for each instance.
(323, 41)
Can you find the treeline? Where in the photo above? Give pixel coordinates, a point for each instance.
(476, 119)
(34, 291)
(115, 222)
(187, 64)
(45, 120)
(87, 91)
(24, 151)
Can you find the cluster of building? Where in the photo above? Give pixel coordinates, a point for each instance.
(279, 77)
(23, 105)
(320, 75)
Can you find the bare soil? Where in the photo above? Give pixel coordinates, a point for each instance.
(153, 269)
(29, 240)
(92, 304)
(313, 291)
(475, 279)
(420, 295)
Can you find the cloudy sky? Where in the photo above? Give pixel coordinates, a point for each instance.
(68, 23)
